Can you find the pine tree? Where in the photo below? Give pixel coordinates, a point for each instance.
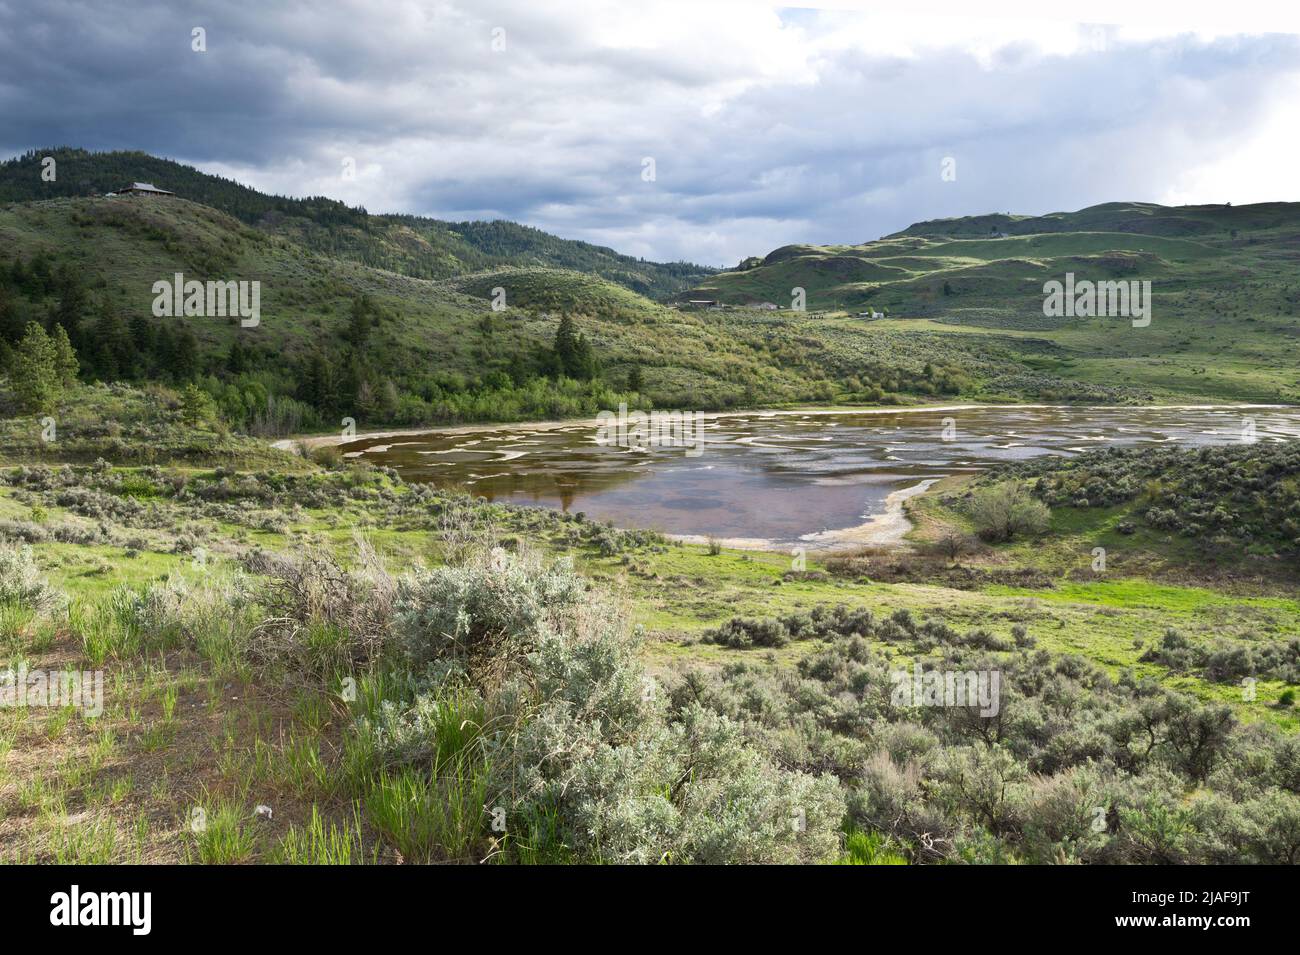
(316, 384)
(565, 347)
(517, 370)
(109, 354)
(572, 354)
(237, 360)
(584, 360)
(143, 341)
(164, 348)
(11, 323)
(40, 281)
(360, 322)
(34, 373)
(66, 365)
(185, 359)
(197, 406)
(72, 304)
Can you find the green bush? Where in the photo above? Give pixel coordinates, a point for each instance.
(1005, 511)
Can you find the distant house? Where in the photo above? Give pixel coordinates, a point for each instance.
(871, 314)
(767, 306)
(701, 302)
(143, 189)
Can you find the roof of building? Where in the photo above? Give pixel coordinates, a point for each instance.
(145, 187)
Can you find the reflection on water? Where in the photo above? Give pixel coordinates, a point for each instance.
(782, 476)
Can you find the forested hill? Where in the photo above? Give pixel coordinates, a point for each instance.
(411, 245)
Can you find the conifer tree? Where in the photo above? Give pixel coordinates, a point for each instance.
(66, 365)
(34, 374)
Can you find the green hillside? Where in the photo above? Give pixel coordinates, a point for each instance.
(412, 245)
(1224, 292)
(1142, 218)
(558, 290)
(339, 339)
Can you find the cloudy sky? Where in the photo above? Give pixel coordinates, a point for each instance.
(706, 130)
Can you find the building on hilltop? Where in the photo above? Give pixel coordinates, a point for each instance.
(143, 189)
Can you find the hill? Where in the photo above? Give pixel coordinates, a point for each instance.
(1141, 218)
(1224, 292)
(336, 338)
(417, 246)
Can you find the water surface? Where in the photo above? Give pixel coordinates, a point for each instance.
(786, 477)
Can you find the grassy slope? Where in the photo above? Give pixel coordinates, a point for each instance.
(135, 427)
(122, 246)
(1225, 305)
(1225, 301)
(411, 245)
(1210, 340)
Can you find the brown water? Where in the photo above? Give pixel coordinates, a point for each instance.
(783, 477)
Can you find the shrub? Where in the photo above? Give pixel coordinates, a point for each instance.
(584, 760)
(1004, 511)
(485, 615)
(22, 585)
(326, 455)
(323, 618)
(740, 633)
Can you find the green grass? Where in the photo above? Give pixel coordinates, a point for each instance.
(222, 834)
(867, 848)
(320, 842)
(428, 819)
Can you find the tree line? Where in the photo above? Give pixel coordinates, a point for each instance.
(54, 329)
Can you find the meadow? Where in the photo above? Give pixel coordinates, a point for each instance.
(310, 661)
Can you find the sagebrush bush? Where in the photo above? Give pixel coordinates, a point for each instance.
(322, 618)
(586, 760)
(483, 615)
(22, 585)
(1239, 494)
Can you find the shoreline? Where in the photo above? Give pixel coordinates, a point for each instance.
(334, 440)
(886, 529)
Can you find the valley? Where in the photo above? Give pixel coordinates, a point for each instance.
(364, 585)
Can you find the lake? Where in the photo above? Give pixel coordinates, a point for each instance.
(804, 478)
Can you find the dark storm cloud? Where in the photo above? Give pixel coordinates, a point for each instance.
(765, 128)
